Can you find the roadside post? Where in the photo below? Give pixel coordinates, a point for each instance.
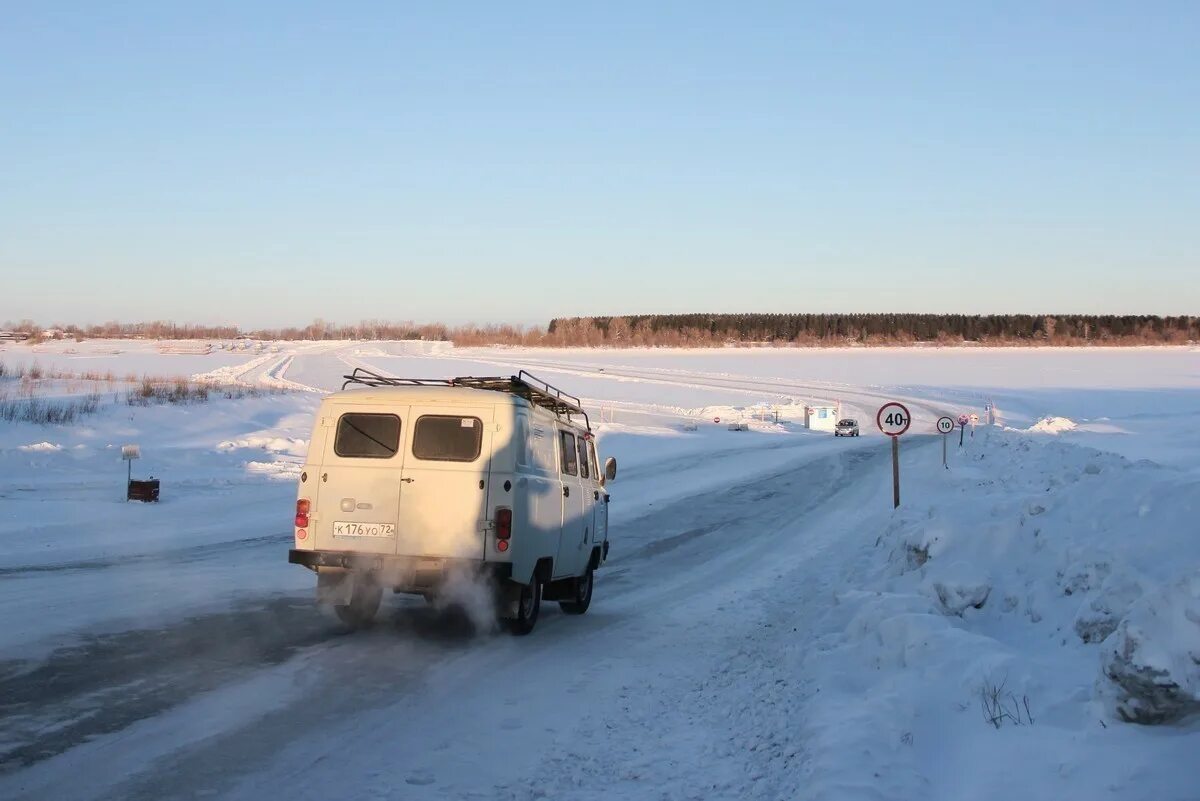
(962, 428)
(944, 426)
(893, 420)
(139, 490)
(128, 454)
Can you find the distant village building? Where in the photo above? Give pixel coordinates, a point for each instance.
(820, 418)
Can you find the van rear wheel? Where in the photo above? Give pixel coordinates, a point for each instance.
(582, 596)
(364, 603)
(529, 603)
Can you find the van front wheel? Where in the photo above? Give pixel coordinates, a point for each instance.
(529, 604)
(364, 603)
(582, 597)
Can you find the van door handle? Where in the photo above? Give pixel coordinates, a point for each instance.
(566, 492)
(408, 480)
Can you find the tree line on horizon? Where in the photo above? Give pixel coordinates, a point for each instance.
(699, 330)
(875, 329)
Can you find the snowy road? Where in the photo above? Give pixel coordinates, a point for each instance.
(419, 676)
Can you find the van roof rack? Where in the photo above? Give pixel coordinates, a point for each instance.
(523, 385)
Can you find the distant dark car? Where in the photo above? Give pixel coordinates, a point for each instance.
(846, 428)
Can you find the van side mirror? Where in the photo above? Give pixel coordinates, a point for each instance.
(610, 469)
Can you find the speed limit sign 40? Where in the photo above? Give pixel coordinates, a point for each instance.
(893, 419)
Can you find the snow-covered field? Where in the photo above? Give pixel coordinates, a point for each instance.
(767, 625)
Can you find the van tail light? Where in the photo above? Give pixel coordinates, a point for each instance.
(302, 507)
(503, 528)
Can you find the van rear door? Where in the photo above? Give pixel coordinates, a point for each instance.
(358, 493)
(600, 513)
(590, 494)
(446, 473)
(574, 505)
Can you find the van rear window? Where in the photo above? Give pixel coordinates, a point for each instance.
(447, 438)
(367, 436)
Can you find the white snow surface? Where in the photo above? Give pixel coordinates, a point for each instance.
(767, 626)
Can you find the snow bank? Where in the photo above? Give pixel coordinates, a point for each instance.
(1154, 658)
(40, 447)
(273, 376)
(1020, 608)
(1052, 425)
(282, 471)
(274, 444)
(236, 373)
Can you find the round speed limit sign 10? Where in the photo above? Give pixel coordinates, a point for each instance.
(945, 425)
(893, 419)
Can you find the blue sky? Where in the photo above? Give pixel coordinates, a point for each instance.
(268, 163)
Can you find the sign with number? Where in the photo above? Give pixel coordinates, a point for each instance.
(962, 419)
(893, 419)
(945, 425)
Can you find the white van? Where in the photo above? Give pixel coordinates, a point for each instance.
(413, 483)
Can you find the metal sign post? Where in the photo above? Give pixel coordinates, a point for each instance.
(894, 419)
(974, 422)
(962, 428)
(944, 426)
(128, 454)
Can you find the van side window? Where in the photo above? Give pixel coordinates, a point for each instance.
(569, 457)
(447, 438)
(541, 445)
(583, 462)
(367, 436)
(521, 440)
(592, 458)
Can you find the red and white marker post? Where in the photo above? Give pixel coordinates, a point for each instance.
(894, 419)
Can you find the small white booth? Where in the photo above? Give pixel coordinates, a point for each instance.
(820, 418)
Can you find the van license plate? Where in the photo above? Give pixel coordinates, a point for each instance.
(364, 529)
